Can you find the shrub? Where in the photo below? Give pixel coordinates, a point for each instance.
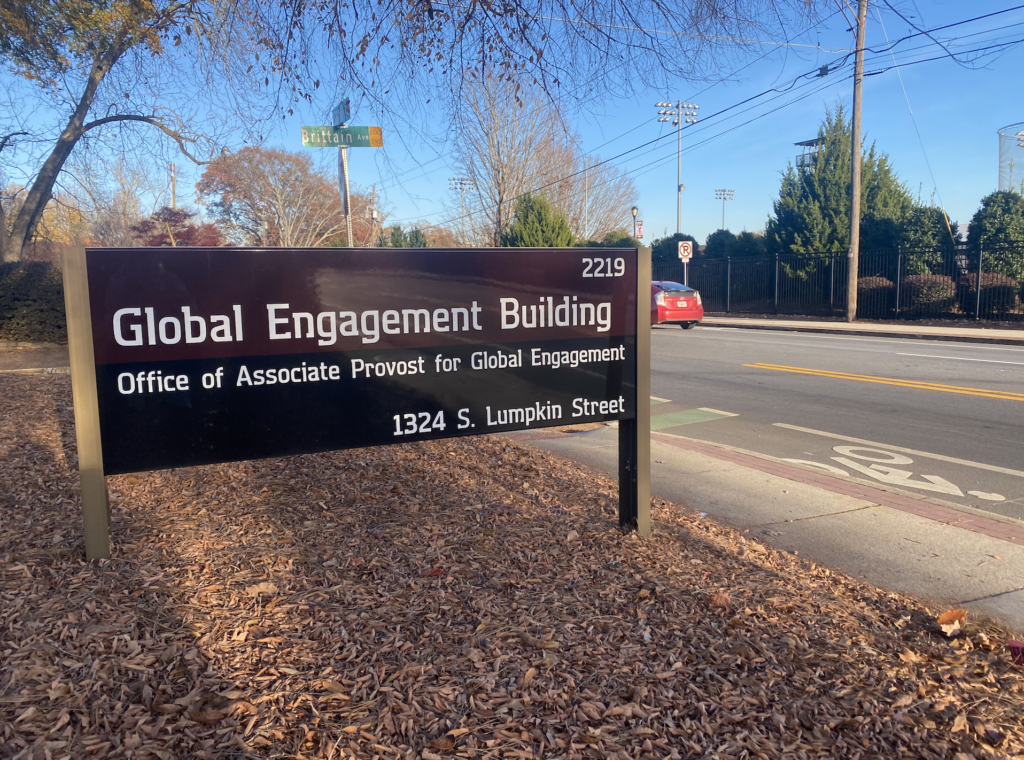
(871, 285)
(928, 293)
(998, 293)
(32, 302)
(874, 294)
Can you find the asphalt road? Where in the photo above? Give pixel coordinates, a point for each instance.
(942, 419)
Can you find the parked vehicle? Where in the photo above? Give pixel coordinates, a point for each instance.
(675, 304)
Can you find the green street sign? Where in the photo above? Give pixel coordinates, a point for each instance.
(342, 137)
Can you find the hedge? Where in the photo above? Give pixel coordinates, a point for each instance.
(998, 294)
(928, 293)
(32, 302)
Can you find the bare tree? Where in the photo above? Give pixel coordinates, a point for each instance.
(512, 141)
(278, 198)
(99, 70)
(195, 72)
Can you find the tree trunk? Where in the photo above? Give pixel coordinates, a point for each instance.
(12, 246)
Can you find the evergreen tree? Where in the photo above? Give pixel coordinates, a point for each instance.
(666, 250)
(1000, 220)
(614, 239)
(399, 238)
(719, 244)
(812, 212)
(536, 225)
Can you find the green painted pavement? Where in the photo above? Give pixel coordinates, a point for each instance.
(686, 417)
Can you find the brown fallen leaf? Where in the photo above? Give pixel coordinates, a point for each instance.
(721, 600)
(540, 643)
(1016, 652)
(959, 724)
(261, 588)
(951, 622)
(431, 573)
(445, 745)
(910, 656)
(207, 717)
(529, 676)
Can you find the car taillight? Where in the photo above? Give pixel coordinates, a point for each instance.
(660, 298)
(698, 297)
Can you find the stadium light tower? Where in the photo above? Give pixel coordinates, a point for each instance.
(724, 195)
(677, 113)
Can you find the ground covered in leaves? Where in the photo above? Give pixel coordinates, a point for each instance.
(470, 598)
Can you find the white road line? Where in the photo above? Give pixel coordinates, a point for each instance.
(940, 457)
(961, 359)
(717, 411)
(858, 339)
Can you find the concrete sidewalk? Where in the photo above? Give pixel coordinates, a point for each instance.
(893, 329)
(947, 556)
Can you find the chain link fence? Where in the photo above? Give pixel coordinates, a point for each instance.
(961, 282)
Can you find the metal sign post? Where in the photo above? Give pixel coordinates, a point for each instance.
(346, 201)
(635, 434)
(343, 137)
(685, 254)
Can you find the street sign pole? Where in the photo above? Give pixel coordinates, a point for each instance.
(635, 434)
(345, 197)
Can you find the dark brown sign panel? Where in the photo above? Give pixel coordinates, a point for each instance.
(214, 355)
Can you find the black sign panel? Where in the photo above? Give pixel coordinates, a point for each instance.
(215, 355)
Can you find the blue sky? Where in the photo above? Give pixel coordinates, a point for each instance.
(958, 109)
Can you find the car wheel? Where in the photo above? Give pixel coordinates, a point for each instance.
(688, 325)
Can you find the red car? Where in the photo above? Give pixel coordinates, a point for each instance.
(672, 303)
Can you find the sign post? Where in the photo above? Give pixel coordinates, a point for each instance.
(95, 499)
(343, 137)
(685, 254)
(635, 434)
(192, 356)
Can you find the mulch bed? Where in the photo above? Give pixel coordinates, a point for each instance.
(470, 598)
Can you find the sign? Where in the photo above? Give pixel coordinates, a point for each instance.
(685, 250)
(190, 356)
(639, 230)
(342, 113)
(342, 137)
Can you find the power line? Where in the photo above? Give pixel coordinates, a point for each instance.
(781, 90)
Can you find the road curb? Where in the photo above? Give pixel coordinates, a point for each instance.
(875, 333)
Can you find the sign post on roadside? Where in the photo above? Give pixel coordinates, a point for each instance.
(191, 356)
(685, 254)
(343, 137)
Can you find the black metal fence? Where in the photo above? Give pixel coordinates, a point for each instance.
(954, 283)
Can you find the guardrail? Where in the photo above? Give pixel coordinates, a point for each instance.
(979, 282)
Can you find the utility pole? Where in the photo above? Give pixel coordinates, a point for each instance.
(853, 258)
(174, 195)
(677, 113)
(724, 195)
(460, 184)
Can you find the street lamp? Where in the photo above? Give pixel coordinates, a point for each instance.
(460, 184)
(724, 195)
(634, 211)
(677, 113)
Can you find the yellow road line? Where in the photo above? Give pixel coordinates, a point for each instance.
(920, 385)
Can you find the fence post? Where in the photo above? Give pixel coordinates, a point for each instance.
(831, 283)
(776, 283)
(977, 286)
(899, 267)
(728, 281)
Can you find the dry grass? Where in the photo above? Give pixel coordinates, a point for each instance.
(467, 598)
